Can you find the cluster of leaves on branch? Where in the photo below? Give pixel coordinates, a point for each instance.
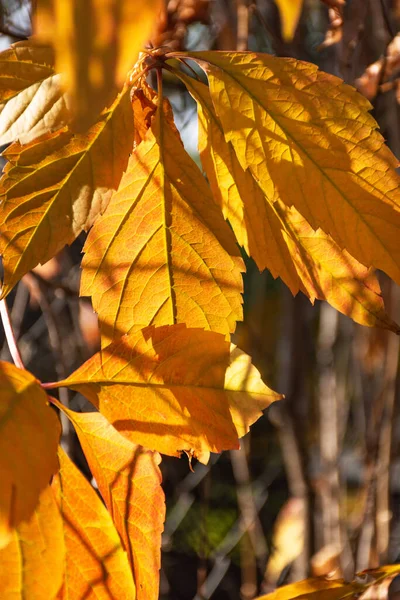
(293, 160)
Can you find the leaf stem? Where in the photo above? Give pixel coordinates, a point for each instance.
(52, 385)
(9, 333)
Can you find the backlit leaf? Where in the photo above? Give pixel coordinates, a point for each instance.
(97, 566)
(290, 11)
(173, 389)
(162, 252)
(372, 583)
(96, 43)
(309, 141)
(55, 186)
(29, 433)
(129, 480)
(31, 98)
(278, 237)
(317, 588)
(32, 564)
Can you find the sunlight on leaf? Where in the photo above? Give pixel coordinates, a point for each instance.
(162, 252)
(290, 11)
(96, 43)
(31, 98)
(309, 140)
(129, 480)
(174, 389)
(32, 564)
(369, 584)
(278, 237)
(96, 565)
(55, 187)
(29, 434)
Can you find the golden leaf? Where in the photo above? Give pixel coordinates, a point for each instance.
(29, 434)
(129, 480)
(31, 98)
(96, 566)
(278, 237)
(55, 186)
(162, 252)
(309, 141)
(175, 389)
(32, 564)
(290, 11)
(96, 43)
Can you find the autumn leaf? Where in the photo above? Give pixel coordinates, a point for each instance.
(372, 582)
(31, 99)
(317, 588)
(290, 11)
(55, 186)
(175, 389)
(96, 565)
(129, 480)
(29, 434)
(95, 61)
(162, 252)
(278, 237)
(32, 564)
(309, 141)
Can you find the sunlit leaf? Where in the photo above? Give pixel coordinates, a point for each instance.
(29, 434)
(317, 588)
(31, 99)
(309, 141)
(55, 186)
(372, 583)
(162, 252)
(173, 389)
(32, 564)
(129, 480)
(97, 566)
(290, 11)
(96, 43)
(278, 237)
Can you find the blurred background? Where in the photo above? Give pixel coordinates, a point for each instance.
(315, 487)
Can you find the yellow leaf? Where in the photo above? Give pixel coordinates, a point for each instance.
(31, 98)
(175, 389)
(96, 565)
(278, 237)
(309, 141)
(129, 480)
(372, 582)
(29, 433)
(32, 565)
(96, 43)
(316, 588)
(55, 186)
(162, 252)
(290, 11)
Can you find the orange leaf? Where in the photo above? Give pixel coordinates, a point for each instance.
(31, 99)
(29, 434)
(129, 480)
(162, 252)
(54, 187)
(175, 389)
(309, 141)
(278, 237)
(32, 564)
(96, 566)
(96, 44)
(372, 583)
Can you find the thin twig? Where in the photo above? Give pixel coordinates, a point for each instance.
(9, 333)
